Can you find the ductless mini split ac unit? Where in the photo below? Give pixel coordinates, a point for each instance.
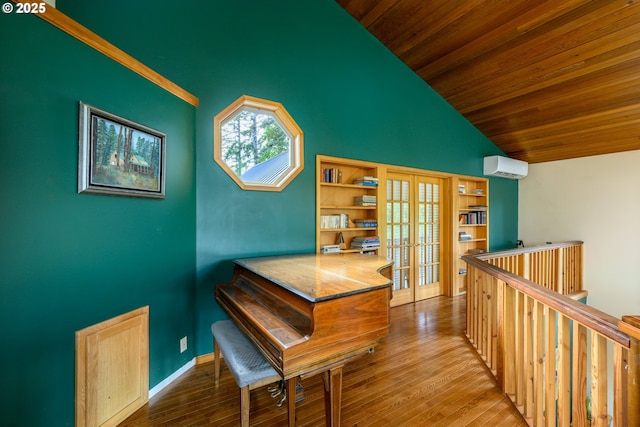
(505, 167)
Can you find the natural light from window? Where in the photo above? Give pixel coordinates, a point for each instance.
(258, 144)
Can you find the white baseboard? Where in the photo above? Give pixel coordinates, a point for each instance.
(171, 378)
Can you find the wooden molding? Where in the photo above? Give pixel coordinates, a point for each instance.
(205, 358)
(74, 29)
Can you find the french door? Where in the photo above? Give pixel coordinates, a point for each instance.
(413, 231)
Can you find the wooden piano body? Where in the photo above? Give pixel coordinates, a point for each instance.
(311, 314)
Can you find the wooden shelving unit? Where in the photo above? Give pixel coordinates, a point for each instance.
(471, 225)
(462, 224)
(337, 194)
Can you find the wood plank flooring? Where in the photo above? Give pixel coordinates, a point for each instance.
(424, 373)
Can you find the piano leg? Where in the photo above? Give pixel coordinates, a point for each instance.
(216, 363)
(291, 400)
(244, 406)
(333, 396)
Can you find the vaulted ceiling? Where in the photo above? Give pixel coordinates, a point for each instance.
(544, 80)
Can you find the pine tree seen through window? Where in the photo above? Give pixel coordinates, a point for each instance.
(258, 144)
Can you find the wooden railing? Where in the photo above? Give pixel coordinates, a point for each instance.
(549, 352)
(555, 266)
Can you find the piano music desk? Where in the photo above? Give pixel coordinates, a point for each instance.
(310, 314)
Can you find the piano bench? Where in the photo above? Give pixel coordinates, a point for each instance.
(249, 367)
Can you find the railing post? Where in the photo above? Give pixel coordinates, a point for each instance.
(620, 384)
(525, 260)
(599, 401)
(579, 377)
(560, 271)
(630, 325)
(499, 352)
(538, 363)
(550, 365)
(508, 340)
(564, 370)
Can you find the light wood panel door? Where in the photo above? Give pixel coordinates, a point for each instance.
(398, 236)
(412, 236)
(428, 246)
(112, 369)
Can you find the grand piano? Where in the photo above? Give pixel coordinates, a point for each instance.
(310, 314)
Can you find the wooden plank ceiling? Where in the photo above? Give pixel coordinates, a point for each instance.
(544, 80)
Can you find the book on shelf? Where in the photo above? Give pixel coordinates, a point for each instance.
(365, 200)
(366, 223)
(475, 251)
(331, 175)
(334, 221)
(473, 218)
(330, 249)
(367, 181)
(478, 207)
(464, 236)
(365, 242)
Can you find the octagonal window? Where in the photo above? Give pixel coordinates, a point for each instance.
(258, 144)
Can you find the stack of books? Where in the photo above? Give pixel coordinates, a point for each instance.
(365, 200)
(463, 236)
(366, 223)
(368, 243)
(476, 251)
(367, 181)
(330, 249)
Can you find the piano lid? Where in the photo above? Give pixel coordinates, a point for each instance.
(320, 277)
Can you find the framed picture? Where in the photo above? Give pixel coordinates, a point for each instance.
(119, 157)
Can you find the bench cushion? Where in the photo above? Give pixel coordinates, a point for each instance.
(244, 360)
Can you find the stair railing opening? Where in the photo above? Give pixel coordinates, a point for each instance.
(548, 351)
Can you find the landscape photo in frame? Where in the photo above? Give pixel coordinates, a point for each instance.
(117, 156)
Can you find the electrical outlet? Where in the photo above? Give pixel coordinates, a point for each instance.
(183, 345)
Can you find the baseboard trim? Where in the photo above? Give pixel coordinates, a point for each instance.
(171, 378)
(205, 358)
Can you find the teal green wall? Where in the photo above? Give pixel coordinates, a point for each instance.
(348, 93)
(71, 260)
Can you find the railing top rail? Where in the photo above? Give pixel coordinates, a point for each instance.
(531, 249)
(597, 320)
(630, 325)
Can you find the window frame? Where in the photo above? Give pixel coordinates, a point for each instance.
(277, 110)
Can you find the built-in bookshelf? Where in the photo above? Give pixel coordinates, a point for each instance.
(471, 230)
(352, 215)
(347, 206)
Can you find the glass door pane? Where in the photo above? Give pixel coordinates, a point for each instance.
(428, 246)
(399, 236)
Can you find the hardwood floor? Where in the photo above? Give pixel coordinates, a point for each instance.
(424, 373)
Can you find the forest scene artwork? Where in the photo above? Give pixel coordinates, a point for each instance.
(118, 156)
